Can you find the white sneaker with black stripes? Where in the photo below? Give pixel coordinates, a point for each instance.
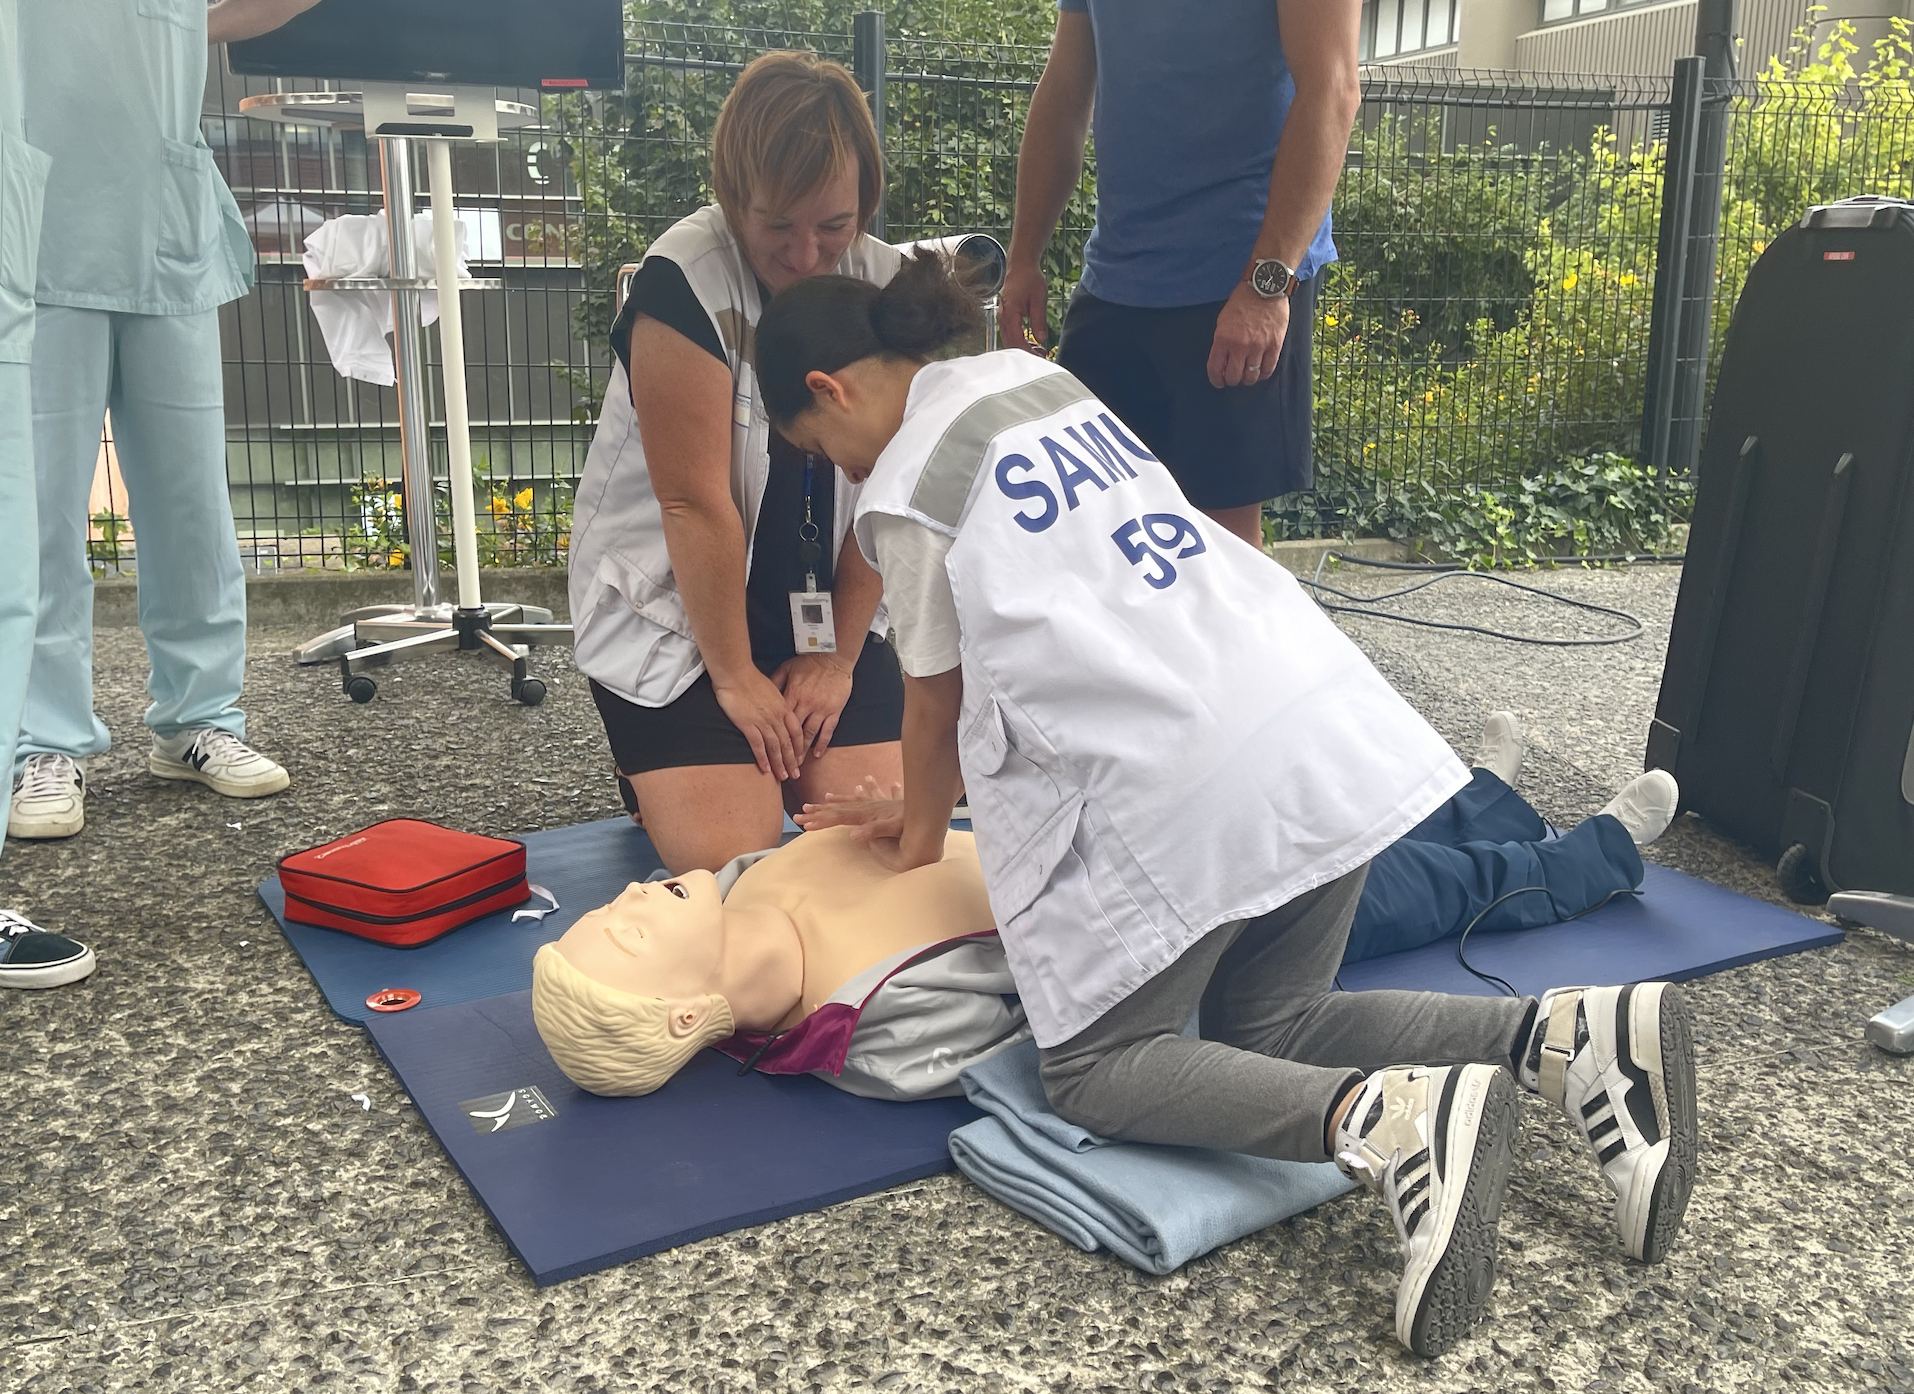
(219, 760)
(1620, 1062)
(1436, 1143)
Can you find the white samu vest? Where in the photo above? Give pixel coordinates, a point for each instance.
(631, 632)
(1161, 733)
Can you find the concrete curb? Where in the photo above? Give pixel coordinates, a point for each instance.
(1303, 557)
(314, 600)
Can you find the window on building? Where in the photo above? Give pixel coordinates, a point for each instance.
(1392, 28)
(1555, 11)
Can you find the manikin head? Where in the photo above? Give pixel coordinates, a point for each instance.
(634, 989)
(836, 355)
(796, 165)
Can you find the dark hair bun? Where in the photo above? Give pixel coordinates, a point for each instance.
(925, 308)
(824, 322)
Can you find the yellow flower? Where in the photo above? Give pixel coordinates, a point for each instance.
(1628, 278)
(1331, 321)
(396, 559)
(1428, 396)
(1368, 447)
(1570, 281)
(498, 506)
(393, 501)
(523, 498)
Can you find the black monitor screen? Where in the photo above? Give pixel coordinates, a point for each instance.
(483, 43)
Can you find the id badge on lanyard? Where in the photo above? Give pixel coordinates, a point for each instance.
(812, 628)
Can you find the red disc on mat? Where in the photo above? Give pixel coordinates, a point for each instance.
(392, 999)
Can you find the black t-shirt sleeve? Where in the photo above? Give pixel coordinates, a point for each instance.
(661, 291)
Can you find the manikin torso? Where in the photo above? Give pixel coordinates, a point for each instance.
(796, 926)
(851, 913)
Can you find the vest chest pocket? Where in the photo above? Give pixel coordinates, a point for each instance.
(187, 14)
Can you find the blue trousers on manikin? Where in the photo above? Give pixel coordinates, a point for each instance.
(1479, 846)
(159, 375)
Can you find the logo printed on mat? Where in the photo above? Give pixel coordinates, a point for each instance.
(516, 1108)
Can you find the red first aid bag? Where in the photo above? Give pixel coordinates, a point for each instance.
(403, 882)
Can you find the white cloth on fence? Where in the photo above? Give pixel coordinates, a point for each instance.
(355, 323)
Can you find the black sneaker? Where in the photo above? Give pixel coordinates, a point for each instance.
(34, 957)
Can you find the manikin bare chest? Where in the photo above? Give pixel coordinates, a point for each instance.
(850, 913)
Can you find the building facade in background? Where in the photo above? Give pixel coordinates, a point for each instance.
(1629, 38)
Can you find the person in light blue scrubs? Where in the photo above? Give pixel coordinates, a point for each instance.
(29, 955)
(140, 245)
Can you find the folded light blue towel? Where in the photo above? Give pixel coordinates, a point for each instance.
(1156, 1207)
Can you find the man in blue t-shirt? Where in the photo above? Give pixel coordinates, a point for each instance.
(1220, 131)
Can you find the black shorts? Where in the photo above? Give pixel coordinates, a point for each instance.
(1226, 446)
(695, 731)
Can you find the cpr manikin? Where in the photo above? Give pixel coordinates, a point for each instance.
(812, 957)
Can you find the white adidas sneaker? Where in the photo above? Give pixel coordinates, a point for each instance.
(219, 760)
(1646, 805)
(49, 798)
(1620, 1062)
(1436, 1143)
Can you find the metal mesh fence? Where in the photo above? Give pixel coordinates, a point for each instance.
(1490, 311)
(1488, 325)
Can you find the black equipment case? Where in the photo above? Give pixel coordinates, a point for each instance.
(1787, 703)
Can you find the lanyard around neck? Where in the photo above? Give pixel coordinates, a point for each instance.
(808, 549)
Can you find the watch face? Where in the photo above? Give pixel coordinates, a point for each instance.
(1270, 277)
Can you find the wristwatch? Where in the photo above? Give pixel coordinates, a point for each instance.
(1270, 278)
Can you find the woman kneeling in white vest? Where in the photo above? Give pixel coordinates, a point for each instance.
(1178, 770)
(735, 646)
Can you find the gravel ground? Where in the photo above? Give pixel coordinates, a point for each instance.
(197, 1204)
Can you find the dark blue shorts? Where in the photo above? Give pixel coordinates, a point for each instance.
(1227, 446)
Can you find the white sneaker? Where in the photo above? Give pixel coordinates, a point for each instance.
(1436, 1143)
(1502, 747)
(1620, 1062)
(49, 798)
(1646, 805)
(219, 760)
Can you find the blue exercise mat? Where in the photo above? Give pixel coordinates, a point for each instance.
(576, 1183)
(1680, 927)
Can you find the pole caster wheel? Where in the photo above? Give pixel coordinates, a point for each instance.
(530, 692)
(1800, 878)
(361, 689)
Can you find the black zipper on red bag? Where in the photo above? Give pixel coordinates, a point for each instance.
(364, 918)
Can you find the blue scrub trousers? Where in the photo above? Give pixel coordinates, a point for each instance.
(160, 377)
(19, 550)
(1482, 844)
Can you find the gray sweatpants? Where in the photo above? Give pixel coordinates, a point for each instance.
(1279, 1044)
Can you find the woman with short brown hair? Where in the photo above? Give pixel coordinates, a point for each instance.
(735, 645)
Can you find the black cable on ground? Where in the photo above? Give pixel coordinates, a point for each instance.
(1463, 959)
(1442, 571)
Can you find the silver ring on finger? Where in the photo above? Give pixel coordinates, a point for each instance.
(1252, 371)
